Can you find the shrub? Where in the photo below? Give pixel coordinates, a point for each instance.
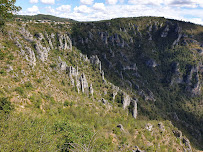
(28, 85)
(53, 66)
(5, 105)
(20, 90)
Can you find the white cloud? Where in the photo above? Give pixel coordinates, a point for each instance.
(64, 8)
(33, 1)
(181, 3)
(82, 9)
(111, 2)
(145, 2)
(121, 1)
(51, 11)
(86, 2)
(48, 1)
(33, 10)
(99, 6)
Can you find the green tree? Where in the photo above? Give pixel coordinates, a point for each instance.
(7, 8)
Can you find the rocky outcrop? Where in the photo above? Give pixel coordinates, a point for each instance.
(83, 82)
(121, 127)
(63, 66)
(126, 100)
(165, 31)
(65, 42)
(176, 76)
(132, 67)
(39, 36)
(29, 55)
(151, 63)
(49, 39)
(187, 144)
(148, 127)
(26, 34)
(95, 61)
(91, 89)
(200, 51)
(42, 52)
(177, 133)
(161, 127)
(72, 71)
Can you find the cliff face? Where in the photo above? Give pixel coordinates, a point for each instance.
(127, 71)
(157, 60)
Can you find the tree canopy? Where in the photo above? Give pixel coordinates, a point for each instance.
(7, 8)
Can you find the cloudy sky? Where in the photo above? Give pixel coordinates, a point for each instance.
(92, 10)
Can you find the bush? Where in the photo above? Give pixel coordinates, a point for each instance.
(20, 90)
(5, 105)
(53, 66)
(28, 85)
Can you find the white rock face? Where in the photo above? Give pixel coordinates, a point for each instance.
(29, 56)
(42, 52)
(63, 66)
(134, 108)
(95, 61)
(72, 71)
(91, 89)
(83, 82)
(149, 127)
(65, 42)
(126, 101)
(165, 32)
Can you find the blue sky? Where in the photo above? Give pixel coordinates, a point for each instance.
(93, 10)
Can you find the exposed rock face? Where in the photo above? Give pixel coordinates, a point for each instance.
(72, 81)
(121, 127)
(138, 149)
(83, 82)
(187, 144)
(26, 34)
(95, 61)
(134, 101)
(84, 57)
(177, 133)
(39, 36)
(200, 51)
(131, 67)
(147, 97)
(151, 63)
(104, 101)
(192, 80)
(91, 89)
(126, 100)
(149, 127)
(178, 30)
(165, 32)
(177, 76)
(49, 39)
(161, 127)
(42, 52)
(29, 55)
(102, 74)
(64, 42)
(63, 66)
(72, 71)
(9, 68)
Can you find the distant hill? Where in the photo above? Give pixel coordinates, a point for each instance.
(44, 17)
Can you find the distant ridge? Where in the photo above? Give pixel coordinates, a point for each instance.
(44, 17)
